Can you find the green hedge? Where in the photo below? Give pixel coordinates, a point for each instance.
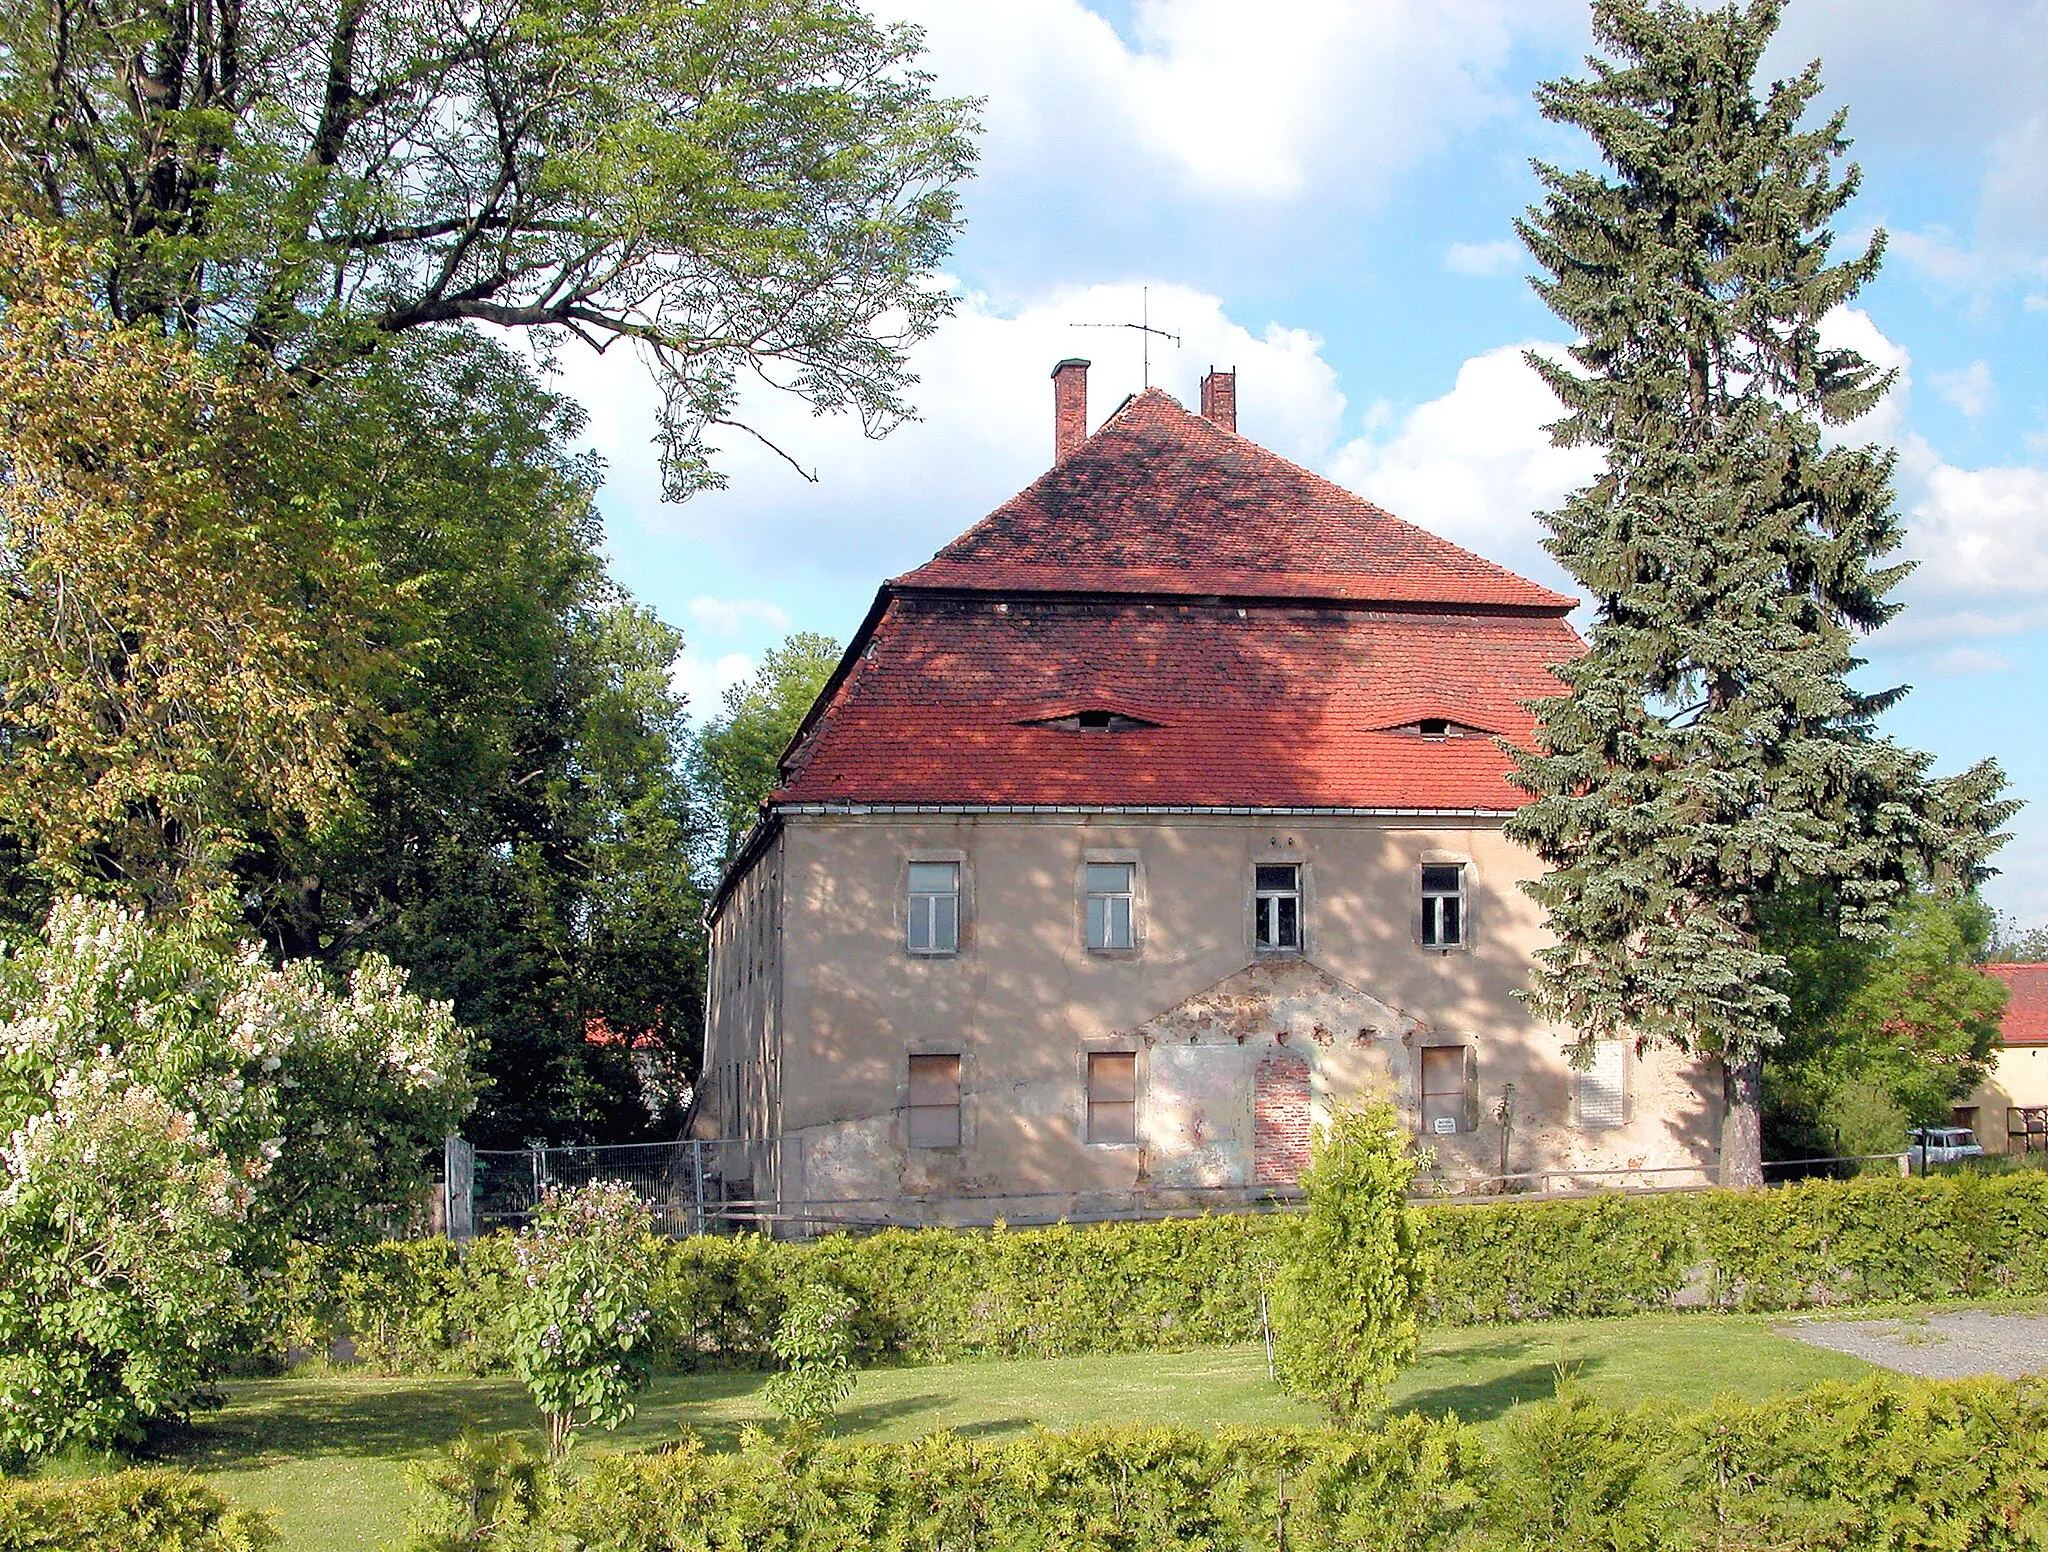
(932, 1295)
(1880, 1465)
(130, 1511)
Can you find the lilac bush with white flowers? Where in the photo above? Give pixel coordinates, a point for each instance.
(579, 1322)
(175, 1111)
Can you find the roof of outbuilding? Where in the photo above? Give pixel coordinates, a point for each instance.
(1161, 501)
(1275, 639)
(2026, 1009)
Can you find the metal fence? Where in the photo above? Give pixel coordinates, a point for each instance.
(715, 1186)
(690, 1187)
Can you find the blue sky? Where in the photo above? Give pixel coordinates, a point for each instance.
(1319, 193)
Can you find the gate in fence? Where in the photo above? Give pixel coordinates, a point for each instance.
(691, 1187)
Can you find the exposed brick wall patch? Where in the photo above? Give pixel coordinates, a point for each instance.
(1280, 1119)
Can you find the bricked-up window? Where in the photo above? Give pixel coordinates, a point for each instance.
(1446, 1089)
(935, 1102)
(1276, 905)
(1109, 904)
(1443, 905)
(1112, 1096)
(934, 907)
(1281, 1126)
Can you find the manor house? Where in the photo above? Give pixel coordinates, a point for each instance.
(1155, 815)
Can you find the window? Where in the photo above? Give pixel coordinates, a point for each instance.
(1446, 1089)
(1109, 889)
(1603, 1091)
(1112, 1097)
(1276, 905)
(934, 907)
(1443, 905)
(935, 1102)
(1433, 727)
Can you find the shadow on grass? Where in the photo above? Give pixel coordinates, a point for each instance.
(399, 1418)
(1533, 1368)
(1484, 1400)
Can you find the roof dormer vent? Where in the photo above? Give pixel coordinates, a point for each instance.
(1092, 719)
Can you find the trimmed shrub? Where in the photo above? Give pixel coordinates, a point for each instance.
(130, 1511)
(1351, 1287)
(928, 1296)
(1885, 1464)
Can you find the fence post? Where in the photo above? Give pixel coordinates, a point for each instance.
(697, 1171)
(459, 1186)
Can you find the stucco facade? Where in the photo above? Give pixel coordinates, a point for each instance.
(1219, 1028)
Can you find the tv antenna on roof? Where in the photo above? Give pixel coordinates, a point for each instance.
(1144, 328)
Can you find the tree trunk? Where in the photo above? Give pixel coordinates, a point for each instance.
(1742, 1122)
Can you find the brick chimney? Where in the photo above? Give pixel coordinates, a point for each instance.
(1219, 398)
(1069, 408)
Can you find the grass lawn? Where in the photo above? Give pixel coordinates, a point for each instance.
(329, 1454)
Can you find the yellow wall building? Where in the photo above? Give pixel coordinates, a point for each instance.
(2009, 1110)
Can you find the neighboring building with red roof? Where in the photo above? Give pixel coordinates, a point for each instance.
(2009, 1110)
(1150, 817)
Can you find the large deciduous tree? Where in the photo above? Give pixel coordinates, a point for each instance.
(185, 632)
(733, 186)
(1711, 751)
(523, 837)
(739, 752)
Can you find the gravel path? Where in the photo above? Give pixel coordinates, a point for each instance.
(1937, 1347)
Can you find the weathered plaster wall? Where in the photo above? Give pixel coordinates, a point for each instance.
(1024, 1001)
(741, 1082)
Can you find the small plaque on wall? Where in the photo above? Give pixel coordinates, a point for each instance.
(1446, 1125)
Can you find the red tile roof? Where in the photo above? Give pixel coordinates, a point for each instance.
(1161, 501)
(2026, 1010)
(1276, 630)
(1278, 707)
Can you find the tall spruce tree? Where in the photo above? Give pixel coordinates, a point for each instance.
(1711, 752)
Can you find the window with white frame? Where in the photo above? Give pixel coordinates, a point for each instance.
(1443, 905)
(934, 1109)
(934, 908)
(1276, 905)
(1112, 1097)
(1110, 887)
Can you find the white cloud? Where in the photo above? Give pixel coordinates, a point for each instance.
(1971, 660)
(1476, 464)
(703, 680)
(1982, 533)
(1483, 259)
(882, 507)
(1968, 389)
(731, 616)
(1259, 98)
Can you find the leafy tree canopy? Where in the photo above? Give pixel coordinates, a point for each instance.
(738, 753)
(523, 837)
(1711, 751)
(185, 632)
(733, 186)
(1879, 1034)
